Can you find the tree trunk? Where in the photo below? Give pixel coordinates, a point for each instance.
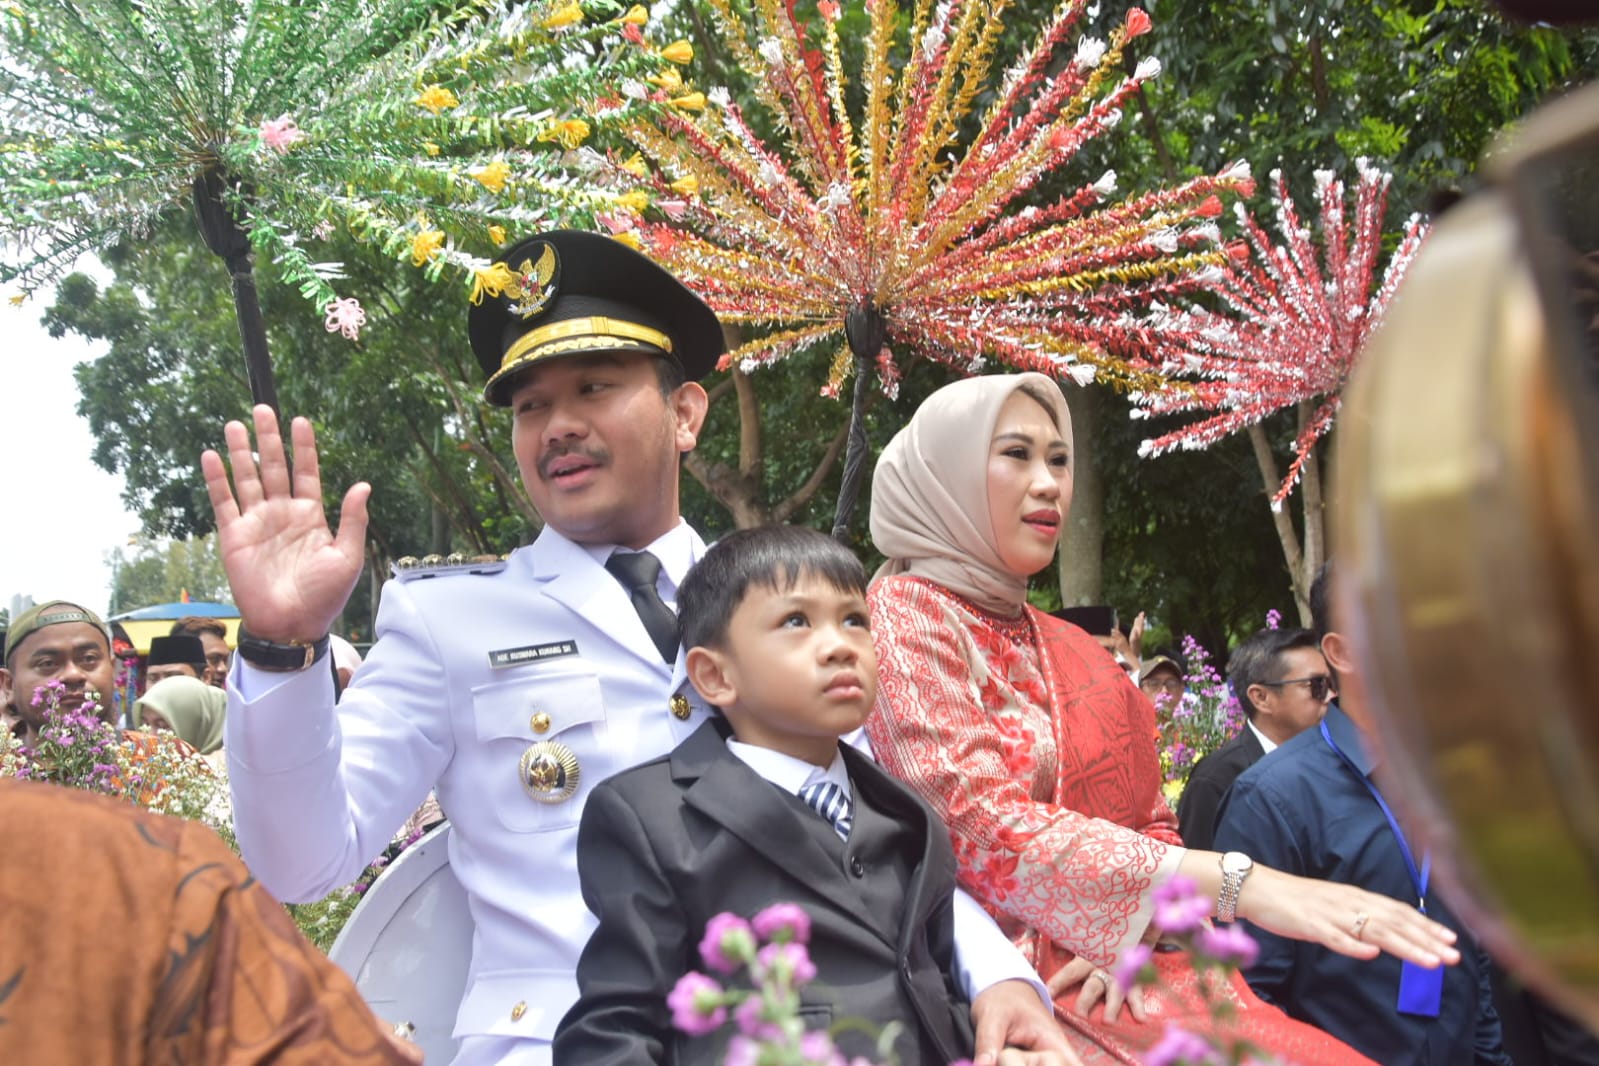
(1082, 549)
(1295, 558)
(221, 233)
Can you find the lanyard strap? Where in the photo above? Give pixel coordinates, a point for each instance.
(1418, 878)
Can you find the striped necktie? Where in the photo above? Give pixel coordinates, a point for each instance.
(828, 800)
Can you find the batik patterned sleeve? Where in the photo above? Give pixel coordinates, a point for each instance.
(242, 986)
(1083, 882)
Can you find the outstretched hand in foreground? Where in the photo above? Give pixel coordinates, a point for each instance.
(289, 573)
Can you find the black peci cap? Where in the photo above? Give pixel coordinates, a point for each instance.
(181, 650)
(575, 293)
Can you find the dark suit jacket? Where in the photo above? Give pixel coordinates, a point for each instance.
(1207, 786)
(668, 845)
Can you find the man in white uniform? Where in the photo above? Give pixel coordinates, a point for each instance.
(510, 687)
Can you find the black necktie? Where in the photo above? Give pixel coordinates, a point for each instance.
(637, 571)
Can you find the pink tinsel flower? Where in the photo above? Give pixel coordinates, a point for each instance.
(616, 221)
(783, 922)
(728, 943)
(1229, 944)
(696, 1004)
(281, 133)
(1179, 908)
(346, 317)
(829, 10)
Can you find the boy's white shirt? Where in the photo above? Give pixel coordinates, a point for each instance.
(984, 956)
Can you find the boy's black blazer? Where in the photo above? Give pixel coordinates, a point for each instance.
(667, 845)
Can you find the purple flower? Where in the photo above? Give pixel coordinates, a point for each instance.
(782, 923)
(1130, 967)
(1273, 619)
(816, 1046)
(791, 960)
(1229, 944)
(728, 943)
(742, 1051)
(1178, 1047)
(1179, 908)
(696, 1004)
(753, 1022)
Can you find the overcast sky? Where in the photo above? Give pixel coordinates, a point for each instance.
(62, 514)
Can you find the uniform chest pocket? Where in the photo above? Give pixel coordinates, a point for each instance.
(542, 737)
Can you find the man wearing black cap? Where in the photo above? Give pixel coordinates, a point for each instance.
(179, 656)
(514, 686)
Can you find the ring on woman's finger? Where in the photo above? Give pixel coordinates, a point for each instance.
(1361, 918)
(1102, 977)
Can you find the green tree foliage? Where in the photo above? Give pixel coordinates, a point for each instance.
(162, 571)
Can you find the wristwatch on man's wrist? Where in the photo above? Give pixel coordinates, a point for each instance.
(1235, 866)
(279, 657)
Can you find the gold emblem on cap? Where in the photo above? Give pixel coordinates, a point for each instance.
(550, 772)
(539, 723)
(532, 288)
(679, 705)
(519, 1010)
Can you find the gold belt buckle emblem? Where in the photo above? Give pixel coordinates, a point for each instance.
(550, 772)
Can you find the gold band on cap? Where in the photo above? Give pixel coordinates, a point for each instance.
(597, 326)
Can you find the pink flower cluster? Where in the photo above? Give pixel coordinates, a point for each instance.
(771, 946)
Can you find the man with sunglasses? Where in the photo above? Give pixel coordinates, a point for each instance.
(1319, 807)
(1282, 683)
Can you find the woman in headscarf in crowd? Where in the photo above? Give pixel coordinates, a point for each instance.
(1040, 753)
(189, 708)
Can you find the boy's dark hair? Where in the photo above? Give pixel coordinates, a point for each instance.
(1321, 599)
(1257, 661)
(773, 557)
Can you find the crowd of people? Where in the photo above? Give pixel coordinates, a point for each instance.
(633, 734)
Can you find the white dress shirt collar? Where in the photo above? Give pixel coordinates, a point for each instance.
(676, 549)
(787, 772)
(1266, 742)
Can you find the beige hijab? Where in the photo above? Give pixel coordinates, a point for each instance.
(930, 492)
(194, 709)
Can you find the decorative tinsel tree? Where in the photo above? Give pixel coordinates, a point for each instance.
(1289, 328)
(429, 130)
(918, 227)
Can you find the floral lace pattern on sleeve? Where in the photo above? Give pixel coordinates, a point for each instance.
(963, 717)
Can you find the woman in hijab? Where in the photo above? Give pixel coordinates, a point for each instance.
(188, 707)
(1040, 753)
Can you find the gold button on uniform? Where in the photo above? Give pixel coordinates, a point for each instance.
(679, 705)
(519, 1010)
(540, 722)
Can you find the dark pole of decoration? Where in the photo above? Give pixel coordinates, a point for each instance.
(223, 236)
(866, 331)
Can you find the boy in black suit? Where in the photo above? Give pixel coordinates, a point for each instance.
(775, 621)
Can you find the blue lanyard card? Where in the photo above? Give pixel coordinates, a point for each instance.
(1421, 991)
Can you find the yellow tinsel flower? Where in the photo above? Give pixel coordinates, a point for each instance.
(437, 98)
(568, 134)
(566, 16)
(19, 299)
(679, 52)
(637, 15)
(497, 234)
(426, 245)
(491, 281)
(636, 166)
(430, 148)
(629, 238)
(691, 102)
(635, 201)
(667, 79)
(492, 177)
(689, 186)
